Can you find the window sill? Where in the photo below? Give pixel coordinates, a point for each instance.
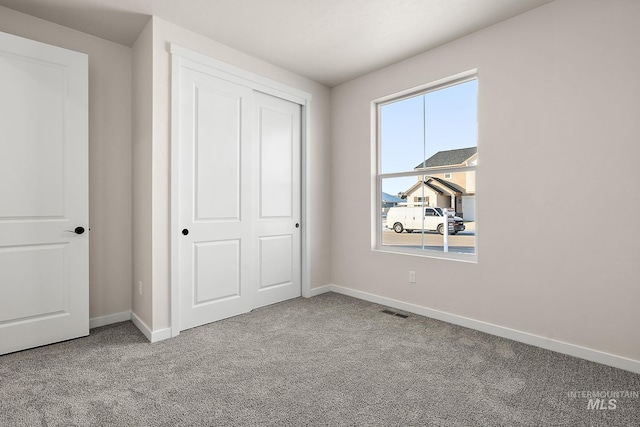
(425, 253)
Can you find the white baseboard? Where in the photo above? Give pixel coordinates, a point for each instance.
(319, 290)
(512, 334)
(109, 319)
(152, 336)
(160, 335)
(146, 331)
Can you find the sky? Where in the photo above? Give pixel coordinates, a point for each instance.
(407, 139)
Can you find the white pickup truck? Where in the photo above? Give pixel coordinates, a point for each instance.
(409, 218)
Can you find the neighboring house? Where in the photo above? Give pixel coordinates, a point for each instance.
(454, 190)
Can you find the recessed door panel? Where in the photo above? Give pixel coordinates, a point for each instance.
(42, 288)
(276, 168)
(217, 155)
(217, 266)
(276, 254)
(32, 112)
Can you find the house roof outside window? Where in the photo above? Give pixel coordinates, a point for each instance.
(448, 158)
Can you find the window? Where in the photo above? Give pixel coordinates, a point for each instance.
(426, 156)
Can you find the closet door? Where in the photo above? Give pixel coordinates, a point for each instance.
(239, 198)
(277, 199)
(44, 215)
(215, 199)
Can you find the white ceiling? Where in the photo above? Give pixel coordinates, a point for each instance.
(330, 41)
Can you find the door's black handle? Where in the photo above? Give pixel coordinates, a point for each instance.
(185, 231)
(77, 230)
(297, 225)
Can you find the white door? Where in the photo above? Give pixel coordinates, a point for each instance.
(277, 199)
(214, 199)
(239, 199)
(44, 241)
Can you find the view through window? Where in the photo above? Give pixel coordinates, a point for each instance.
(427, 158)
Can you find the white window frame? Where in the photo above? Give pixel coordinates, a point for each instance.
(378, 176)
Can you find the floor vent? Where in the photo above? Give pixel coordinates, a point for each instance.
(393, 313)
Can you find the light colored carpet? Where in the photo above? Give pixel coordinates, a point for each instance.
(329, 360)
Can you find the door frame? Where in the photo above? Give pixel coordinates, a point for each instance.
(185, 58)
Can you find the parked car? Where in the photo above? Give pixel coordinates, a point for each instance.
(409, 218)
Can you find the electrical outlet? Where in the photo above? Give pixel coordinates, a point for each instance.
(140, 287)
(412, 277)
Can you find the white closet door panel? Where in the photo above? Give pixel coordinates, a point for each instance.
(214, 197)
(276, 258)
(277, 220)
(217, 267)
(276, 162)
(217, 154)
